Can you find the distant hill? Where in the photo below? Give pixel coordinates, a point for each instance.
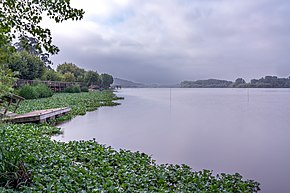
(130, 84)
(127, 83)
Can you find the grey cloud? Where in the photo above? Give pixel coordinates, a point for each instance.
(170, 41)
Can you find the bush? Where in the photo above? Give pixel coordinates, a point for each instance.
(84, 89)
(28, 92)
(36, 91)
(43, 91)
(73, 89)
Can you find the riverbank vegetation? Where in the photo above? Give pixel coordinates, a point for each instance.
(264, 82)
(34, 91)
(86, 166)
(21, 20)
(27, 66)
(43, 165)
(80, 103)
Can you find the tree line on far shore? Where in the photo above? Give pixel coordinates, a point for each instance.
(264, 82)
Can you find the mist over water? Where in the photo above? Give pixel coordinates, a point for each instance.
(224, 130)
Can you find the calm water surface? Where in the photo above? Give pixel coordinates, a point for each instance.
(224, 130)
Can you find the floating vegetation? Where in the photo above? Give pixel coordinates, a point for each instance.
(13, 173)
(80, 103)
(86, 166)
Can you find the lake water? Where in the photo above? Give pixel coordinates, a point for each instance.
(224, 130)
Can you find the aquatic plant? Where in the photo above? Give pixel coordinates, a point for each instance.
(80, 103)
(13, 173)
(86, 166)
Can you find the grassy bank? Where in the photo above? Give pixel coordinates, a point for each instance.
(80, 103)
(42, 165)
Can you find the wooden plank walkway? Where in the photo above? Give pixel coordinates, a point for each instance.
(39, 116)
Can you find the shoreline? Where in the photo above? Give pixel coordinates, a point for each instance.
(89, 166)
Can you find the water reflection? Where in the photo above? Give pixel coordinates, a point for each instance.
(226, 130)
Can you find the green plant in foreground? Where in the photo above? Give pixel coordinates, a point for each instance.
(13, 173)
(86, 166)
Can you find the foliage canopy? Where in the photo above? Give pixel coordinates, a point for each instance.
(28, 66)
(107, 80)
(24, 18)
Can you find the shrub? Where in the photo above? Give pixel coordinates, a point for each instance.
(73, 89)
(28, 92)
(84, 89)
(43, 91)
(35, 91)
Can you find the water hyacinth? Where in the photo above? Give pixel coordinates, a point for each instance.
(80, 103)
(86, 166)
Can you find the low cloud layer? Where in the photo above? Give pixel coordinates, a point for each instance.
(167, 41)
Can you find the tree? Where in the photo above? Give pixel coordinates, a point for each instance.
(240, 83)
(29, 44)
(210, 83)
(270, 82)
(50, 74)
(6, 80)
(22, 18)
(106, 80)
(28, 66)
(6, 75)
(92, 78)
(78, 73)
(69, 77)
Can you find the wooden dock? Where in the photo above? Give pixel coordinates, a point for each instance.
(39, 116)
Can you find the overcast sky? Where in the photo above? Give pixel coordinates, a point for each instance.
(167, 41)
